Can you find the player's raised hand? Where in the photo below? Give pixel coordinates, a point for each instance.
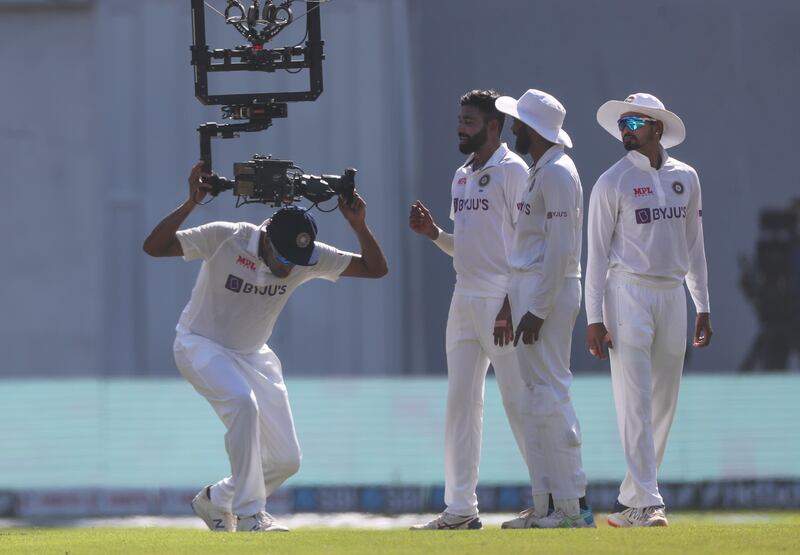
(355, 211)
(528, 328)
(421, 221)
(702, 330)
(198, 189)
(597, 338)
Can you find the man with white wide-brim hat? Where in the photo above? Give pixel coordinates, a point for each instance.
(545, 297)
(645, 238)
(672, 132)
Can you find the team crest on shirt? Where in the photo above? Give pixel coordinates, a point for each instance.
(484, 180)
(678, 187)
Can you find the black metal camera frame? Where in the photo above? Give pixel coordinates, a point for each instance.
(257, 58)
(255, 110)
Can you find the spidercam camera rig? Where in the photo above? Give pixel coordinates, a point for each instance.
(262, 179)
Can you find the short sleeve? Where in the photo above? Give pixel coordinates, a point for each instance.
(203, 241)
(332, 262)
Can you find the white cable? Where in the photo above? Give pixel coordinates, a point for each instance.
(213, 8)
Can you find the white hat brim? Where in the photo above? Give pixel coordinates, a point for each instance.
(508, 105)
(609, 113)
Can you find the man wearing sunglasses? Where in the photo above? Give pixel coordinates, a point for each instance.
(247, 275)
(645, 238)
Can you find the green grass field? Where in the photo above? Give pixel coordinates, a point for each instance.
(730, 533)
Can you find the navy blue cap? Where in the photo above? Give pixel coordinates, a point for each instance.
(292, 232)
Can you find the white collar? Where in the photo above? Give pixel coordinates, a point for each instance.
(546, 158)
(548, 155)
(643, 162)
(493, 160)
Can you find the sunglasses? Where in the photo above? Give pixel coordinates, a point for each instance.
(279, 258)
(633, 122)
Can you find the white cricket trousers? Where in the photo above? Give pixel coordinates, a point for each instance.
(553, 436)
(249, 396)
(647, 326)
(470, 348)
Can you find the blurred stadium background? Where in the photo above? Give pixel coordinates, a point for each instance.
(97, 141)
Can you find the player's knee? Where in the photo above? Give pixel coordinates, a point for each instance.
(245, 404)
(289, 464)
(545, 403)
(573, 437)
(639, 409)
(291, 467)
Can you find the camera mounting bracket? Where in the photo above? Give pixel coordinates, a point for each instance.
(255, 57)
(259, 117)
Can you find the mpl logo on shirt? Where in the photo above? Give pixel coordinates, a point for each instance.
(246, 262)
(238, 285)
(462, 181)
(649, 215)
(642, 192)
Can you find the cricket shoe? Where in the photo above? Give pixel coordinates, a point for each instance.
(216, 518)
(559, 519)
(525, 519)
(448, 521)
(262, 521)
(633, 518)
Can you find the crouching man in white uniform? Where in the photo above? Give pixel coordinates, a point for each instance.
(248, 273)
(484, 192)
(545, 297)
(645, 238)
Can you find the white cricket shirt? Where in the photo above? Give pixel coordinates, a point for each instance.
(646, 224)
(548, 235)
(483, 214)
(236, 298)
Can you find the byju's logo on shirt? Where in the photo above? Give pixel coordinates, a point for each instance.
(234, 283)
(238, 285)
(648, 215)
(460, 204)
